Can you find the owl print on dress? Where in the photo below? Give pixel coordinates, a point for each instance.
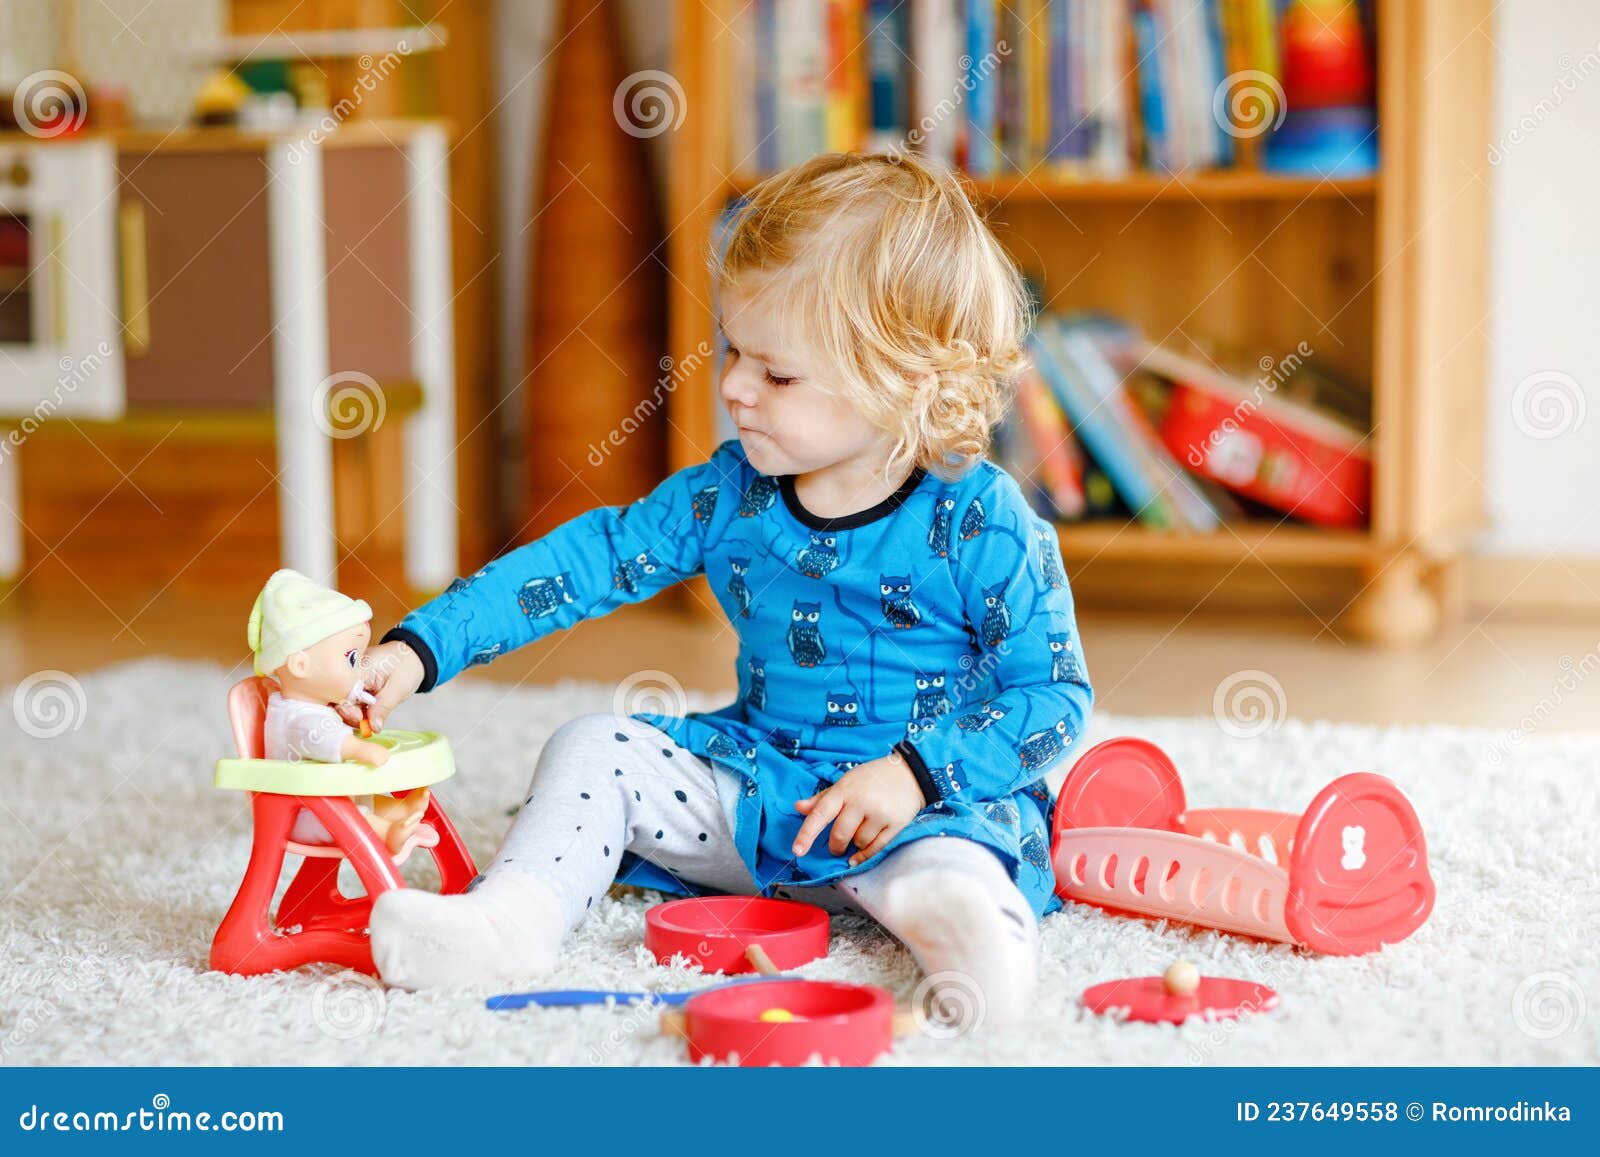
(720, 746)
(931, 698)
(457, 585)
(844, 765)
(738, 589)
(1050, 560)
(758, 496)
(1035, 852)
(541, 597)
(787, 743)
(996, 623)
(1003, 812)
(756, 697)
(939, 532)
(806, 647)
(631, 570)
(818, 559)
(982, 718)
(1043, 748)
(948, 779)
(1063, 659)
(705, 502)
(916, 726)
(484, 655)
(894, 591)
(844, 709)
(972, 521)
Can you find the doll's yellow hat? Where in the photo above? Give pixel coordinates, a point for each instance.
(293, 612)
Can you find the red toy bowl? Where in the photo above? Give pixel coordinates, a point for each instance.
(805, 1020)
(1145, 998)
(716, 931)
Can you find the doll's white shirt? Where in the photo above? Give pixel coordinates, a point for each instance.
(298, 730)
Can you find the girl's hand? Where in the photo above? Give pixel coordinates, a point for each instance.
(868, 807)
(392, 672)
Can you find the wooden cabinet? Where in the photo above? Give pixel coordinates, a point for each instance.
(299, 279)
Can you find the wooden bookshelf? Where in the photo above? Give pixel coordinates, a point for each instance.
(1146, 187)
(1384, 276)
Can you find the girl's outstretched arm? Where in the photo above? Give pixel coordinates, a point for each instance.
(583, 569)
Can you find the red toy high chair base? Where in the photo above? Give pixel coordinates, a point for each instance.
(315, 922)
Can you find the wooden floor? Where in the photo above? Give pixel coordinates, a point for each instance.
(1500, 674)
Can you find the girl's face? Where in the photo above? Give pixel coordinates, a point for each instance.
(790, 418)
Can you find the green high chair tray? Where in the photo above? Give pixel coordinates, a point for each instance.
(416, 759)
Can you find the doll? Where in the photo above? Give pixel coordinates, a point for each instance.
(310, 640)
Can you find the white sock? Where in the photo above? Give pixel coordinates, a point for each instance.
(508, 928)
(981, 957)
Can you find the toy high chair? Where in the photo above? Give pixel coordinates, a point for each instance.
(315, 922)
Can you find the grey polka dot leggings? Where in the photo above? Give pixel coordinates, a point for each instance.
(608, 784)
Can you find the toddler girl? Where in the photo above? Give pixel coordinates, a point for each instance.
(909, 666)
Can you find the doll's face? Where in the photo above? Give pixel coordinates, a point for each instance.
(326, 672)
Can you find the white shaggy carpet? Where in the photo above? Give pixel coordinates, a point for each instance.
(118, 858)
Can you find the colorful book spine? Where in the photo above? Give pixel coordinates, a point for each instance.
(1060, 461)
(766, 78)
(1080, 88)
(982, 90)
(802, 34)
(1034, 57)
(1096, 428)
(937, 30)
(1217, 72)
(1137, 436)
(1156, 148)
(844, 98)
(886, 81)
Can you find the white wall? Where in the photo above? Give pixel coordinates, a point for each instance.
(1544, 328)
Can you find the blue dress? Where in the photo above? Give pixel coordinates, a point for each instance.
(938, 623)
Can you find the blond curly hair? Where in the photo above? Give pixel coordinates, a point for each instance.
(887, 270)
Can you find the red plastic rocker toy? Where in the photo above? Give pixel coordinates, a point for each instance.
(1345, 878)
(315, 922)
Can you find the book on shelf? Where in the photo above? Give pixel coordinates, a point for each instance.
(1187, 443)
(1065, 88)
